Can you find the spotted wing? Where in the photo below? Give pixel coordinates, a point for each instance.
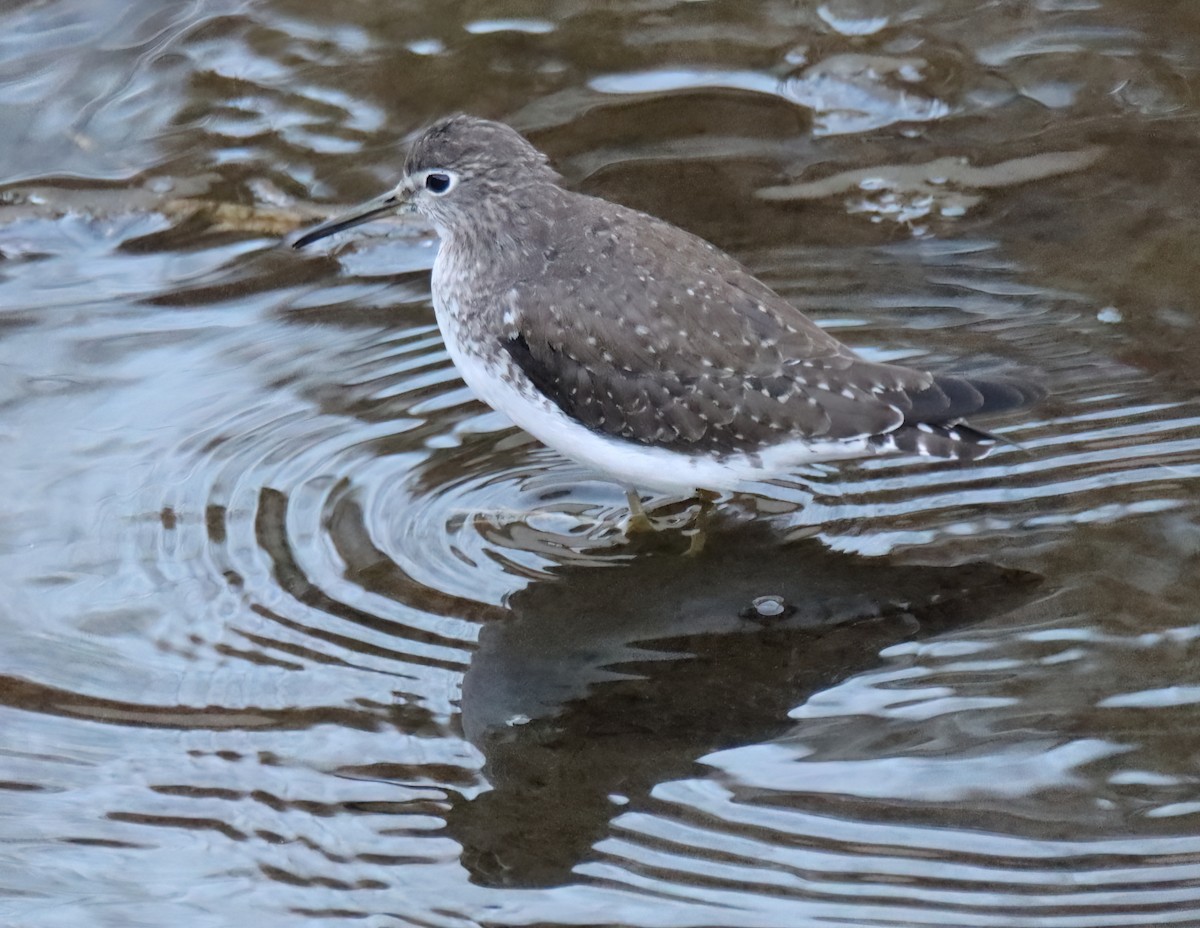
(645, 332)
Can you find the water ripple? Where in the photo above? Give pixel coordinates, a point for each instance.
(296, 630)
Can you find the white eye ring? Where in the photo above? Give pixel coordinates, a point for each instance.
(438, 182)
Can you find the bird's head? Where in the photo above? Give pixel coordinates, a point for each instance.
(457, 170)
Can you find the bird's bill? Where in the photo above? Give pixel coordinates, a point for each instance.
(390, 202)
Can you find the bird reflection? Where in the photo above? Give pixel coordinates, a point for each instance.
(606, 681)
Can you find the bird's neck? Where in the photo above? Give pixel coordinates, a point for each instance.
(502, 238)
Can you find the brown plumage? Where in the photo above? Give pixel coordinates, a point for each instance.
(646, 335)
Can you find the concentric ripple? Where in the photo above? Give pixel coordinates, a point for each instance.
(296, 630)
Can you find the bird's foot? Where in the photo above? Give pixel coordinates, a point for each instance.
(640, 523)
(699, 530)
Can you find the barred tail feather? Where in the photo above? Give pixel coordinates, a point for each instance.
(951, 442)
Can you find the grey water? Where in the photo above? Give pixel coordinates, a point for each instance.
(294, 630)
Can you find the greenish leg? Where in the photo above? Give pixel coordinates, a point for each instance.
(700, 526)
(638, 522)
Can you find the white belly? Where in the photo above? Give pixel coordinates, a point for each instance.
(504, 387)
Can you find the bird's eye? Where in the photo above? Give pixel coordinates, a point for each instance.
(437, 182)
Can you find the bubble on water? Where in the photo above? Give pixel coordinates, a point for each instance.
(850, 18)
(426, 47)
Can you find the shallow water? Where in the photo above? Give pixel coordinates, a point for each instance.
(295, 630)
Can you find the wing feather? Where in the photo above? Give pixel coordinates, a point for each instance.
(708, 360)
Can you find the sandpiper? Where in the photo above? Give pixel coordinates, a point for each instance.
(639, 349)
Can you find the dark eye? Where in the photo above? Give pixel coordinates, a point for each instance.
(437, 183)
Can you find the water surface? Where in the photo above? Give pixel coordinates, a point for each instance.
(296, 631)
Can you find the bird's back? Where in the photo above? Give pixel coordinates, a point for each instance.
(645, 332)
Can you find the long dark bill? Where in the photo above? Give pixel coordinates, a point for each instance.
(388, 203)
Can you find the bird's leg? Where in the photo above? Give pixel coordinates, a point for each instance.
(699, 530)
(638, 522)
